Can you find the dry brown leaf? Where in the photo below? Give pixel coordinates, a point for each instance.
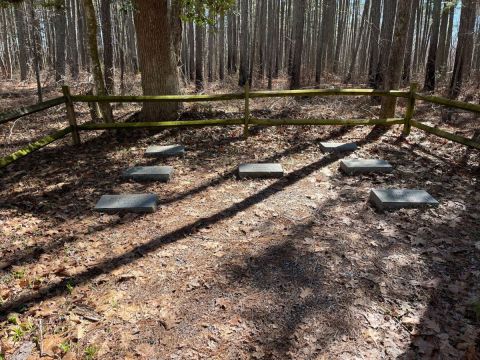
(51, 343)
(306, 292)
(167, 318)
(145, 350)
(69, 356)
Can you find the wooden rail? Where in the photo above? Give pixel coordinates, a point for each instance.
(449, 103)
(70, 100)
(16, 114)
(34, 146)
(446, 135)
(240, 96)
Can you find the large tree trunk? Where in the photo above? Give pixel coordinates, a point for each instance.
(465, 37)
(91, 21)
(73, 55)
(432, 51)
(374, 39)
(60, 21)
(407, 72)
(35, 48)
(221, 49)
(199, 51)
(299, 22)
(21, 34)
(395, 62)
(243, 75)
(386, 43)
(159, 31)
(107, 45)
(191, 51)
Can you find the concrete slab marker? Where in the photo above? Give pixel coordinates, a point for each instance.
(149, 173)
(365, 166)
(393, 199)
(272, 170)
(165, 151)
(336, 147)
(136, 203)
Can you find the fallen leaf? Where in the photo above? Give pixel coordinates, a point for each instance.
(50, 345)
(306, 292)
(145, 350)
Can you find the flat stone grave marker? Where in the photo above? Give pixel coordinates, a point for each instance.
(336, 147)
(260, 171)
(393, 199)
(364, 166)
(149, 173)
(136, 203)
(165, 150)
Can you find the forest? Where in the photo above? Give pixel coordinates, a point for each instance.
(239, 179)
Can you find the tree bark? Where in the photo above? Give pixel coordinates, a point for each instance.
(243, 75)
(199, 50)
(465, 38)
(91, 22)
(159, 31)
(430, 77)
(60, 24)
(299, 24)
(21, 36)
(106, 17)
(395, 62)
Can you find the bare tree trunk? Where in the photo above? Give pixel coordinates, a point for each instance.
(60, 37)
(35, 48)
(221, 49)
(432, 51)
(91, 21)
(385, 41)
(159, 55)
(409, 46)
(21, 35)
(298, 27)
(243, 76)
(395, 63)
(374, 40)
(465, 38)
(191, 51)
(199, 49)
(106, 17)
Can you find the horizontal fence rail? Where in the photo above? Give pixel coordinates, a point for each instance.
(446, 135)
(18, 113)
(252, 121)
(240, 96)
(34, 146)
(245, 121)
(448, 102)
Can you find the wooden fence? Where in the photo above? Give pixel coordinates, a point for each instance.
(69, 100)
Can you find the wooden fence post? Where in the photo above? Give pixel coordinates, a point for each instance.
(247, 111)
(410, 110)
(72, 120)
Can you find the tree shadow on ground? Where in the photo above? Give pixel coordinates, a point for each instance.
(107, 265)
(27, 202)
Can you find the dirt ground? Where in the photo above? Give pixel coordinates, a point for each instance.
(295, 268)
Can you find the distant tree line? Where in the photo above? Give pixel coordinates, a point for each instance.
(382, 43)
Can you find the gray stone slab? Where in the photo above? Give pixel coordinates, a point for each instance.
(392, 199)
(365, 166)
(260, 171)
(336, 147)
(137, 203)
(165, 151)
(149, 173)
